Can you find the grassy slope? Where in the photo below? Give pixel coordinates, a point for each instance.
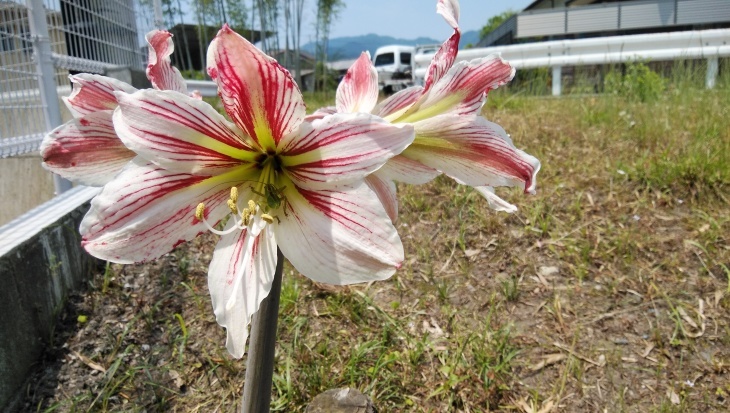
(610, 289)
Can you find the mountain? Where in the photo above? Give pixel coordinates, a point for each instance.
(342, 48)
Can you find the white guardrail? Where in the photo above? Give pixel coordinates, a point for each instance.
(700, 44)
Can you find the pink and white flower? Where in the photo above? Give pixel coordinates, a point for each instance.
(281, 181)
(87, 149)
(451, 135)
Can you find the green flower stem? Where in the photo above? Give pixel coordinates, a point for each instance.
(262, 348)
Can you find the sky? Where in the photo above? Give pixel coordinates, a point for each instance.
(405, 19)
(409, 19)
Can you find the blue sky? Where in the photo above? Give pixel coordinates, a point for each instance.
(412, 18)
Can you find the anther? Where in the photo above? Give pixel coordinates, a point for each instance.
(234, 194)
(232, 206)
(268, 218)
(200, 211)
(252, 205)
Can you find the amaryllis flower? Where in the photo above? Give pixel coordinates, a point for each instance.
(87, 149)
(281, 182)
(451, 135)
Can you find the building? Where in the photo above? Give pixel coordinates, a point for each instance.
(576, 19)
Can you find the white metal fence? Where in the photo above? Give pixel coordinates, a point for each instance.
(42, 41)
(700, 44)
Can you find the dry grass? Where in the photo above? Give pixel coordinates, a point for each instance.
(608, 291)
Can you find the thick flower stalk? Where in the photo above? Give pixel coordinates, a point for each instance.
(86, 149)
(451, 135)
(279, 180)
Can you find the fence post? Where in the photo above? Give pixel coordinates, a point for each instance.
(557, 78)
(712, 69)
(46, 74)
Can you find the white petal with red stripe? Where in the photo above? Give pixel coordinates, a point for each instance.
(462, 89)
(397, 104)
(402, 169)
(358, 90)
(474, 151)
(86, 150)
(147, 211)
(159, 69)
(239, 278)
(385, 189)
(339, 236)
(180, 133)
(341, 148)
(259, 95)
(92, 93)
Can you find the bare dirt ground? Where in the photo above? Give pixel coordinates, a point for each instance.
(606, 292)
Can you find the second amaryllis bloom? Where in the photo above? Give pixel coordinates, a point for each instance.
(281, 182)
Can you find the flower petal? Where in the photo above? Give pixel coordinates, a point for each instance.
(340, 236)
(397, 104)
(159, 70)
(449, 10)
(358, 91)
(402, 169)
(259, 95)
(86, 150)
(147, 211)
(472, 150)
(92, 93)
(239, 278)
(180, 133)
(461, 90)
(342, 147)
(320, 113)
(443, 60)
(385, 189)
(495, 202)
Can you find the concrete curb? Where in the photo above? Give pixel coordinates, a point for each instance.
(41, 262)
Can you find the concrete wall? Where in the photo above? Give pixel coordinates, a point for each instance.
(41, 262)
(24, 185)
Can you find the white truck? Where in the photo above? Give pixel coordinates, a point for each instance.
(395, 64)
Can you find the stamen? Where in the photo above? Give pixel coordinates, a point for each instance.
(232, 206)
(268, 218)
(234, 194)
(251, 205)
(200, 212)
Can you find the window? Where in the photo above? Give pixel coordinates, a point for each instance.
(405, 59)
(384, 59)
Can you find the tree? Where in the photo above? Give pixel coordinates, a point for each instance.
(494, 22)
(327, 12)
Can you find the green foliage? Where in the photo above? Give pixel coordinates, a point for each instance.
(638, 83)
(494, 22)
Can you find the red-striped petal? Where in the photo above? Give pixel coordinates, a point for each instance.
(86, 150)
(339, 236)
(92, 93)
(358, 90)
(462, 89)
(147, 211)
(398, 103)
(180, 133)
(259, 95)
(406, 170)
(342, 147)
(385, 189)
(159, 70)
(239, 278)
(443, 60)
(474, 151)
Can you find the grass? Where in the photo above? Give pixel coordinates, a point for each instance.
(607, 291)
